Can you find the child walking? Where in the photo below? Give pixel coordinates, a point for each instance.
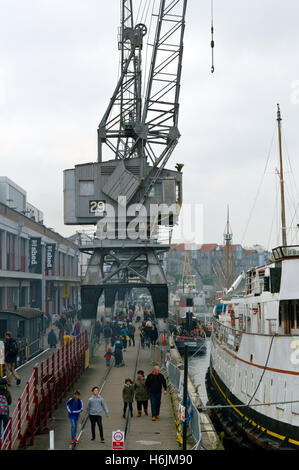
(128, 396)
(74, 407)
(108, 356)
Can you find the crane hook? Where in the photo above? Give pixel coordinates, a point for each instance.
(212, 36)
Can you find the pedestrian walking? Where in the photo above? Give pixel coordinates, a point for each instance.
(98, 330)
(66, 339)
(52, 338)
(74, 407)
(128, 396)
(11, 352)
(5, 401)
(154, 335)
(131, 329)
(108, 356)
(141, 393)
(148, 333)
(118, 345)
(107, 333)
(142, 338)
(95, 406)
(154, 383)
(124, 333)
(77, 328)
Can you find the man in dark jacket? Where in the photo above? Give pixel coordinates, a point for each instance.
(52, 339)
(11, 352)
(154, 383)
(118, 353)
(131, 329)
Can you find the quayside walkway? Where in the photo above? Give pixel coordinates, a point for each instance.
(142, 432)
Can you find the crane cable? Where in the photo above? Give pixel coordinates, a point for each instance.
(212, 35)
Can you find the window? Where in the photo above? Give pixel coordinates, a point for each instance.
(21, 329)
(10, 297)
(22, 255)
(3, 328)
(10, 252)
(0, 250)
(297, 313)
(86, 188)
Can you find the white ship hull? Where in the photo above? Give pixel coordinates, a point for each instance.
(255, 360)
(235, 376)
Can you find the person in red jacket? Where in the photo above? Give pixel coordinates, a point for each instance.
(154, 383)
(108, 356)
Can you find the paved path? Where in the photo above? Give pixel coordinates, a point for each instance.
(143, 433)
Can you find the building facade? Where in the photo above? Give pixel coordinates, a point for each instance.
(38, 267)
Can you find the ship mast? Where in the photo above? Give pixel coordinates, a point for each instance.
(228, 236)
(283, 213)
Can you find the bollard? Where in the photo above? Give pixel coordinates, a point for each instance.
(51, 434)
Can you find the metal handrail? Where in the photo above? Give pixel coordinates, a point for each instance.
(51, 370)
(174, 376)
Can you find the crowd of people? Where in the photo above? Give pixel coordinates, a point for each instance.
(142, 390)
(117, 335)
(68, 324)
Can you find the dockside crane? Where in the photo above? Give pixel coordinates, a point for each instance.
(136, 138)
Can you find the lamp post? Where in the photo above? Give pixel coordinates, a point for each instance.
(185, 395)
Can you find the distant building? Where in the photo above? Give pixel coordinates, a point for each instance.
(209, 262)
(38, 267)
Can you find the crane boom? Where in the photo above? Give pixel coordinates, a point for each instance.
(140, 127)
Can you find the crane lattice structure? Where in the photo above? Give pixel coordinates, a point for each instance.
(136, 138)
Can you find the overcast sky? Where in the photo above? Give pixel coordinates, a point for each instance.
(58, 69)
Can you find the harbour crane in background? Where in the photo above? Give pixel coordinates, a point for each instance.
(136, 138)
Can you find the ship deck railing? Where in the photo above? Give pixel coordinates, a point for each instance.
(228, 335)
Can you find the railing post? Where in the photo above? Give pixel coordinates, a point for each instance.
(9, 434)
(27, 402)
(53, 368)
(48, 370)
(74, 359)
(67, 365)
(63, 369)
(59, 377)
(77, 357)
(42, 379)
(19, 418)
(80, 353)
(35, 396)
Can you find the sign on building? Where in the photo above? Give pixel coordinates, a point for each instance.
(66, 291)
(118, 440)
(35, 255)
(50, 255)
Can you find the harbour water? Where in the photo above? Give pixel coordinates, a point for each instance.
(198, 366)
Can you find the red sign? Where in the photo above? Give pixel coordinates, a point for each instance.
(118, 440)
